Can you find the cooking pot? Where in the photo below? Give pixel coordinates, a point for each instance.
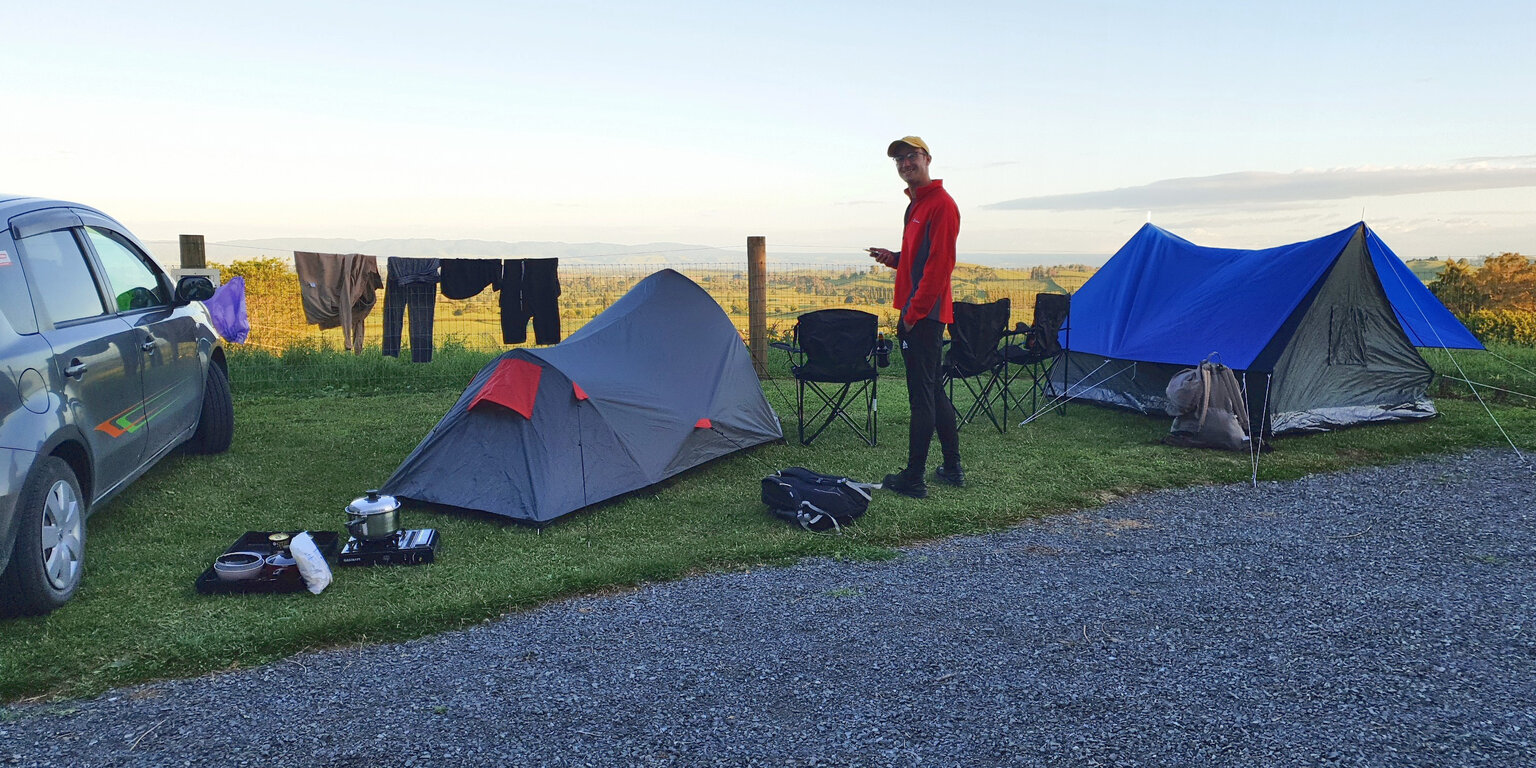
(374, 516)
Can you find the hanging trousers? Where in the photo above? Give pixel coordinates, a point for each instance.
(421, 299)
(530, 288)
(921, 351)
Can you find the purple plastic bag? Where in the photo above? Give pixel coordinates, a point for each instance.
(227, 307)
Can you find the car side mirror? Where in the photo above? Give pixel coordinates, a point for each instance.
(193, 288)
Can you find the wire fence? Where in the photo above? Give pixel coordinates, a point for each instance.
(284, 352)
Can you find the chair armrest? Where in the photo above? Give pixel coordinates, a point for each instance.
(787, 347)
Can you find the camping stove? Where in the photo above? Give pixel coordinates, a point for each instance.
(412, 547)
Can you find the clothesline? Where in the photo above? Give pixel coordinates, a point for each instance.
(340, 289)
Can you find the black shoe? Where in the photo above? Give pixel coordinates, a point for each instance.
(905, 485)
(954, 476)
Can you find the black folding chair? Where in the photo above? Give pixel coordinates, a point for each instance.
(834, 356)
(975, 359)
(1033, 350)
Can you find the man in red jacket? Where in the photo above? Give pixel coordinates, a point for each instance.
(923, 269)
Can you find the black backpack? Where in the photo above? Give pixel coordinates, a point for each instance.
(817, 502)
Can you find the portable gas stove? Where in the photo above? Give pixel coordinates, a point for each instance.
(412, 547)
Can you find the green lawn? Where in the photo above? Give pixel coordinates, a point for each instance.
(297, 462)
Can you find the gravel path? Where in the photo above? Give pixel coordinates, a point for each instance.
(1382, 617)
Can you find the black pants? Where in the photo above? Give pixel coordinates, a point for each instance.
(922, 352)
(421, 298)
(530, 288)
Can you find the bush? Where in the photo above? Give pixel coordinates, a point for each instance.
(1503, 326)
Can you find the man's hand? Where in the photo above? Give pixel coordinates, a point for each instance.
(884, 256)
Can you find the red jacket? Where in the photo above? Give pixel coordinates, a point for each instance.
(927, 255)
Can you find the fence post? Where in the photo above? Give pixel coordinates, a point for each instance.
(193, 254)
(757, 301)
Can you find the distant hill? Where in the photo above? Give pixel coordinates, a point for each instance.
(426, 248)
(168, 252)
(1426, 270)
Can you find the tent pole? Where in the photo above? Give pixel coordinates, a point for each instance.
(1253, 448)
(1062, 399)
(1256, 441)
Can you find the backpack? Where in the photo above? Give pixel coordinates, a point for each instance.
(817, 502)
(1208, 408)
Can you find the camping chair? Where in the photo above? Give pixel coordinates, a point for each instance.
(834, 357)
(974, 359)
(1034, 350)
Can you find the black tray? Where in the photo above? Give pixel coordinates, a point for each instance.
(209, 582)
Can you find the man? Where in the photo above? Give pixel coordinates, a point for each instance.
(923, 269)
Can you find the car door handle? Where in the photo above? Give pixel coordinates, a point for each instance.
(148, 345)
(76, 369)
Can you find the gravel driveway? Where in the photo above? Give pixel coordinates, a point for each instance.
(1381, 617)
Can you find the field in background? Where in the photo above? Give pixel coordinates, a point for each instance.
(282, 343)
(285, 354)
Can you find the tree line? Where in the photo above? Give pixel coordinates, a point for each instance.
(1496, 301)
(1506, 281)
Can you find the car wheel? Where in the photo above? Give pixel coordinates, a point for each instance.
(216, 425)
(50, 543)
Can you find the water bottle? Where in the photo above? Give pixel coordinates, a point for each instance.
(883, 351)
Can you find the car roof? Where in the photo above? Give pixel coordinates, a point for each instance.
(11, 205)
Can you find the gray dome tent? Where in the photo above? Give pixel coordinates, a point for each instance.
(658, 383)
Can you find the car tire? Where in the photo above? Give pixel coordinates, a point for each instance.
(216, 425)
(46, 564)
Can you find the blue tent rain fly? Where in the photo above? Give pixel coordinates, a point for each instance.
(1322, 332)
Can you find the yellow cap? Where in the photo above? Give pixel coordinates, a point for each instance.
(912, 141)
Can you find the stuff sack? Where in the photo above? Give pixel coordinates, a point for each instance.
(817, 502)
(1208, 407)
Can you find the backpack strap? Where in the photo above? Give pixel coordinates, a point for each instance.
(1205, 386)
(806, 519)
(863, 489)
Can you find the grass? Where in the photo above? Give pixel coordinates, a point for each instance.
(1504, 374)
(306, 368)
(297, 462)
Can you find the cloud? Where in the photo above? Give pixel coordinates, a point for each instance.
(1508, 160)
(1247, 188)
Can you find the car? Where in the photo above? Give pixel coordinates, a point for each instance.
(106, 367)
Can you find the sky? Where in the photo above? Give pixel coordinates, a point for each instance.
(1059, 128)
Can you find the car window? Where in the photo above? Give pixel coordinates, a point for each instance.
(132, 281)
(65, 289)
(15, 302)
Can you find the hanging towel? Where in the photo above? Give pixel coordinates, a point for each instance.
(338, 290)
(464, 278)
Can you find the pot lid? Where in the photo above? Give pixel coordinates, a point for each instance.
(374, 503)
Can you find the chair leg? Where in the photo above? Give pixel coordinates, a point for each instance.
(981, 399)
(834, 408)
(800, 411)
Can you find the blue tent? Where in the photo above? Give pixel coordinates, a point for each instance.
(1322, 331)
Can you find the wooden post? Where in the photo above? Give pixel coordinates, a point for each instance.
(193, 254)
(757, 301)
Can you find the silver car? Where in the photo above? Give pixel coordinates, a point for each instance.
(105, 368)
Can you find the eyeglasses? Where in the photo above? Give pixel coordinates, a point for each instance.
(908, 156)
